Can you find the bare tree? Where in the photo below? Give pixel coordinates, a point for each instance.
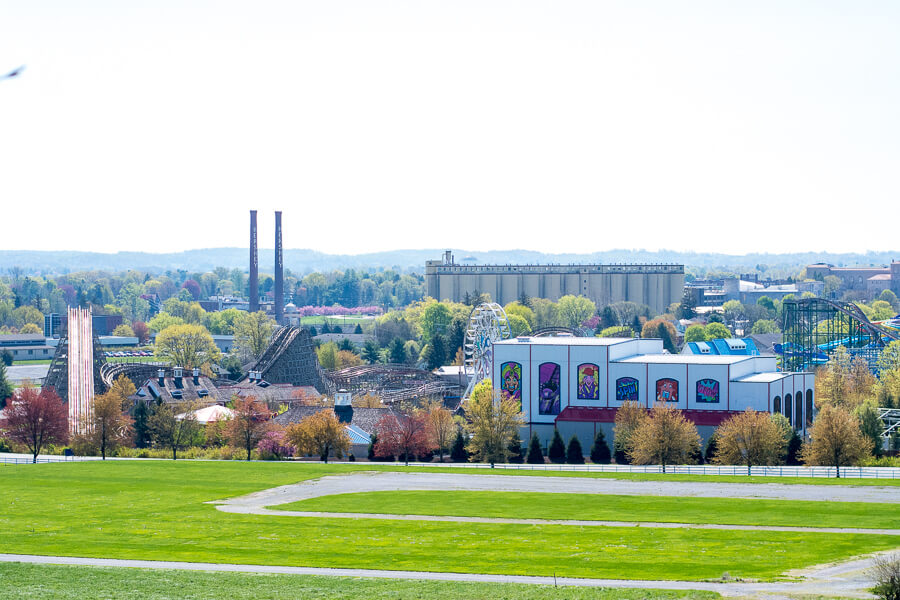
(440, 427)
(835, 439)
(109, 426)
(749, 438)
(171, 430)
(249, 424)
(886, 573)
(664, 438)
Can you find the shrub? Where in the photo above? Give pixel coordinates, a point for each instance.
(7, 358)
(574, 455)
(5, 446)
(351, 458)
(535, 455)
(886, 573)
(557, 450)
(600, 454)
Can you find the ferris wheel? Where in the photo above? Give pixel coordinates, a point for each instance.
(487, 324)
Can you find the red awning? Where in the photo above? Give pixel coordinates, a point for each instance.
(589, 414)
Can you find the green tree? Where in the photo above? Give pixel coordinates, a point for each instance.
(891, 298)
(370, 352)
(574, 454)
(616, 331)
(600, 454)
(575, 310)
(458, 452)
(435, 319)
(327, 354)
(516, 453)
(695, 333)
(397, 351)
(870, 425)
(764, 326)
(434, 353)
(766, 303)
(535, 454)
(666, 332)
(187, 346)
(252, 334)
(171, 430)
(6, 388)
(163, 321)
(832, 285)
(518, 326)
(141, 414)
(557, 451)
(717, 331)
(520, 310)
(124, 331)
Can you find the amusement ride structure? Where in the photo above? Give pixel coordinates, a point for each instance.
(487, 324)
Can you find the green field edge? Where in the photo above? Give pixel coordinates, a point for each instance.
(64, 582)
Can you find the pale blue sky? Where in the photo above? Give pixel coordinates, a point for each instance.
(374, 125)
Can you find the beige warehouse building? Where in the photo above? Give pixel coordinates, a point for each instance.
(657, 285)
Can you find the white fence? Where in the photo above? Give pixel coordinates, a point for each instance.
(737, 470)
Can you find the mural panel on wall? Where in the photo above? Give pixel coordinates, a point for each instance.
(627, 389)
(708, 391)
(587, 382)
(666, 390)
(511, 380)
(548, 389)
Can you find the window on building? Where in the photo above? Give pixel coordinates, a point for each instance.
(776, 405)
(798, 410)
(809, 407)
(788, 408)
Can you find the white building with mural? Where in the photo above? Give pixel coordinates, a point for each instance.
(577, 384)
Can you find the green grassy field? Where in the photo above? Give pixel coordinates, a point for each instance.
(64, 582)
(40, 361)
(531, 505)
(155, 510)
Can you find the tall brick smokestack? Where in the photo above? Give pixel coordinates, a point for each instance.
(279, 272)
(254, 265)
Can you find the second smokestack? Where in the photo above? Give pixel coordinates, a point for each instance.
(254, 265)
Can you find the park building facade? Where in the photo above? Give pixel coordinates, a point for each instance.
(577, 384)
(656, 285)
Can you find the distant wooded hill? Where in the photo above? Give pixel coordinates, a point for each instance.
(304, 261)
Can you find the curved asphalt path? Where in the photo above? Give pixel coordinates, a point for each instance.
(259, 503)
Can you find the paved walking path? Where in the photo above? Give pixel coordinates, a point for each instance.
(846, 580)
(395, 481)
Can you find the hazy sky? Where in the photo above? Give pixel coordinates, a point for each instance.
(555, 126)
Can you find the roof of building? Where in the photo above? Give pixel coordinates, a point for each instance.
(681, 359)
(724, 347)
(565, 340)
(765, 342)
(362, 418)
(357, 435)
(211, 414)
(180, 389)
(21, 338)
(880, 277)
(767, 377)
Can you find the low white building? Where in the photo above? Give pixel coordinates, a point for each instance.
(577, 384)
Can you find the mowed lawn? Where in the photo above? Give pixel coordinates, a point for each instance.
(26, 582)
(607, 507)
(155, 510)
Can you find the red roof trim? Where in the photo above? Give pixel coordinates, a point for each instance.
(590, 414)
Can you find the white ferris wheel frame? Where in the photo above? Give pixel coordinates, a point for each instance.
(487, 324)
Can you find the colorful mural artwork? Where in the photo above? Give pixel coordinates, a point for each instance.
(548, 389)
(708, 391)
(627, 389)
(511, 380)
(666, 390)
(587, 382)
